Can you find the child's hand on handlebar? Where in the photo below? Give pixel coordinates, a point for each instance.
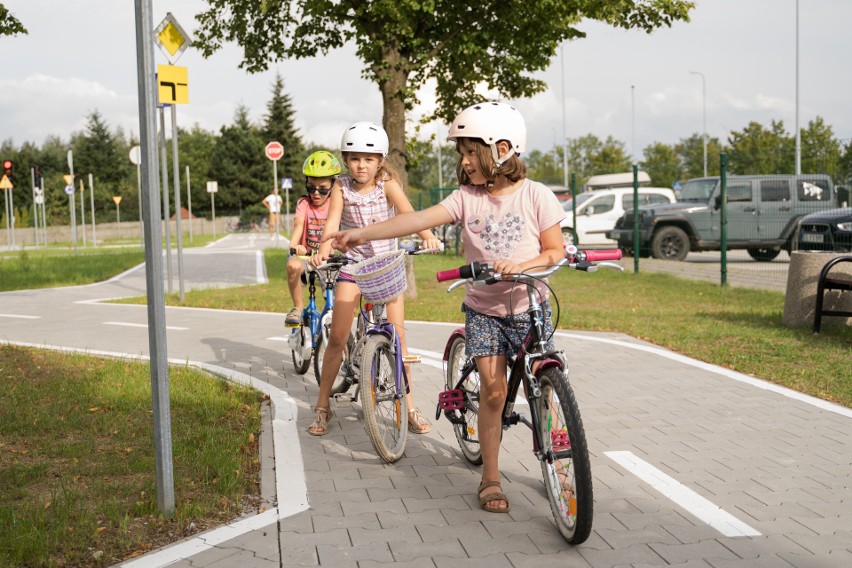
(506, 266)
(433, 243)
(345, 240)
(319, 258)
(299, 250)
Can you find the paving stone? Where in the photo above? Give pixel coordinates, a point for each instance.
(706, 549)
(431, 517)
(328, 523)
(635, 554)
(384, 536)
(437, 534)
(647, 535)
(351, 555)
(407, 551)
(490, 561)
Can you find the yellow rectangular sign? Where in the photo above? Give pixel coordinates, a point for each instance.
(173, 85)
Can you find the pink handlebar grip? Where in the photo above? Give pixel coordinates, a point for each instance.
(598, 255)
(445, 275)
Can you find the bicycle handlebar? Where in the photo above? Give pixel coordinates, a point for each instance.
(482, 273)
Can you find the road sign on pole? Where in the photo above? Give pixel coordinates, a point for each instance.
(274, 151)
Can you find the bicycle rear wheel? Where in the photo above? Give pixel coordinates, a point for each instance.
(466, 420)
(564, 457)
(385, 407)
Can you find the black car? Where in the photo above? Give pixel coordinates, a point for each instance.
(827, 231)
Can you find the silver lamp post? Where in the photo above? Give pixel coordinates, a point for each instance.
(703, 115)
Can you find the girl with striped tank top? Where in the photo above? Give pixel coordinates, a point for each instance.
(369, 194)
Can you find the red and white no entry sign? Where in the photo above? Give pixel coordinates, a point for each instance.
(274, 151)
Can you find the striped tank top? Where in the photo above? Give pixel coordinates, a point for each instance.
(361, 210)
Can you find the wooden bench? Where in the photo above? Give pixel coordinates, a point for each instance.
(826, 282)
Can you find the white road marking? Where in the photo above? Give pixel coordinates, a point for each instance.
(145, 325)
(682, 496)
(430, 358)
(277, 339)
(260, 268)
(19, 316)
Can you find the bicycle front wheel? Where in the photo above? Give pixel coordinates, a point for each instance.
(465, 420)
(300, 361)
(385, 406)
(564, 457)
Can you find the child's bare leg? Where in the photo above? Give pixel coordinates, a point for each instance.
(396, 315)
(492, 395)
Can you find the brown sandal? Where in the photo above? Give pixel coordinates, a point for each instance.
(416, 422)
(319, 427)
(493, 496)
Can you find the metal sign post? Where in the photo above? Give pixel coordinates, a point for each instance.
(35, 206)
(92, 199)
(83, 213)
(136, 159)
(176, 170)
(189, 203)
(43, 202)
(274, 151)
(154, 261)
(164, 175)
(212, 188)
(117, 200)
(69, 181)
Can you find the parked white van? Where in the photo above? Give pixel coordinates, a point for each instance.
(597, 212)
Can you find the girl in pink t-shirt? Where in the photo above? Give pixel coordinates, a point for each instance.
(506, 220)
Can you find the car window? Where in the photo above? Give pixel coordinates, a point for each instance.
(658, 198)
(814, 190)
(601, 205)
(775, 190)
(697, 190)
(739, 191)
(582, 198)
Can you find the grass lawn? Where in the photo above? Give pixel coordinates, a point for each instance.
(737, 328)
(77, 482)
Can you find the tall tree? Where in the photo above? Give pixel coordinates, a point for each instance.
(279, 125)
(662, 164)
(238, 165)
(9, 24)
(758, 150)
(99, 152)
(545, 167)
(404, 44)
(821, 151)
(196, 148)
(691, 153)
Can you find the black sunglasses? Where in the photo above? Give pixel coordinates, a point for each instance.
(321, 190)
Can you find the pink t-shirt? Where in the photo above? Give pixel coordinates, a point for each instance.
(505, 226)
(314, 222)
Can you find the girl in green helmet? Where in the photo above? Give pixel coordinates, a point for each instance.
(320, 169)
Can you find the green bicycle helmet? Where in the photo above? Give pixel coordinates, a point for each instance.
(321, 164)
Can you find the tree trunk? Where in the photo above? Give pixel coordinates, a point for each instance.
(392, 80)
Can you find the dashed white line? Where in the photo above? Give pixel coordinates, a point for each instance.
(704, 509)
(145, 325)
(19, 316)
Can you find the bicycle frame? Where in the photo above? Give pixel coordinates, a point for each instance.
(373, 323)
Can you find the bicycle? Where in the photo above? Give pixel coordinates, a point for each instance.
(558, 438)
(309, 337)
(376, 357)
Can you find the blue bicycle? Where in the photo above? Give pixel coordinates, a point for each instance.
(310, 337)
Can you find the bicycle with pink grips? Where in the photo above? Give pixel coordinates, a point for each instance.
(558, 438)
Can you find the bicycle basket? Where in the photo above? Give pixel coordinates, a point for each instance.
(382, 277)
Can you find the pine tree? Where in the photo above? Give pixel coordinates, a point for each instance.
(279, 126)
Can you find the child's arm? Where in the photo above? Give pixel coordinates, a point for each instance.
(332, 224)
(400, 201)
(552, 250)
(296, 235)
(398, 226)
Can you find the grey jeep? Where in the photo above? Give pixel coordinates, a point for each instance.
(762, 214)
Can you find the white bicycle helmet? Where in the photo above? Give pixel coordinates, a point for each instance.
(366, 137)
(492, 121)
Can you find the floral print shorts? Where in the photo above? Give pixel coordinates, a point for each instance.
(495, 335)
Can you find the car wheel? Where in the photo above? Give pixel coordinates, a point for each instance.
(762, 254)
(568, 236)
(670, 243)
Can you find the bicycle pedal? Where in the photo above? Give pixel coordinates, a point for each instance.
(342, 399)
(411, 359)
(451, 400)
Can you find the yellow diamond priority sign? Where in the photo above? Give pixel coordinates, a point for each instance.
(171, 38)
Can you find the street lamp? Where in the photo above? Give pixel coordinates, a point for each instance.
(633, 121)
(798, 132)
(703, 115)
(564, 135)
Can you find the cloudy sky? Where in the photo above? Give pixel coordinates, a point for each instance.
(80, 55)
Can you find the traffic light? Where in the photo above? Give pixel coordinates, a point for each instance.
(37, 176)
(7, 168)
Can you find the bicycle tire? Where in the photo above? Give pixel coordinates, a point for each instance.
(566, 469)
(301, 364)
(341, 385)
(385, 409)
(467, 433)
